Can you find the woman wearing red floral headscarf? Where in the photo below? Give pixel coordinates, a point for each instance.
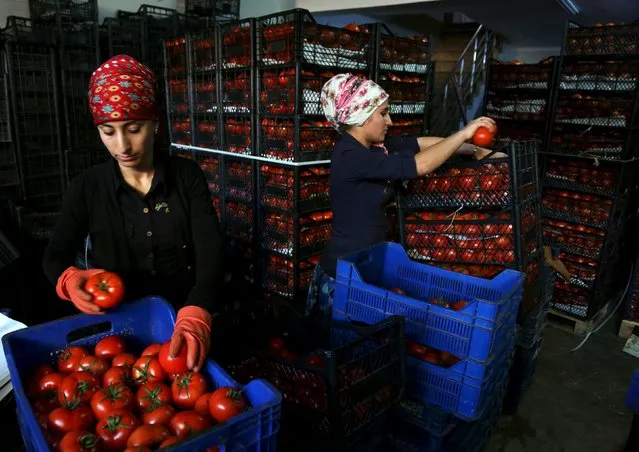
(149, 216)
(364, 167)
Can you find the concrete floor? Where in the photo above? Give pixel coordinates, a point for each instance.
(576, 401)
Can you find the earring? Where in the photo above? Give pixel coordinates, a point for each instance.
(157, 129)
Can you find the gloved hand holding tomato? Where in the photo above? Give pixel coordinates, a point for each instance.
(92, 290)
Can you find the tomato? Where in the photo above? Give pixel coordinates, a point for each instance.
(69, 418)
(483, 137)
(225, 403)
(416, 350)
(432, 357)
(148, 436)
(79, 441)
(46, 404)
(109, 347)
(96, 366)
(116, 429)
(173, 365)
(33, 383)
(117, 375)
(315, 360)
(111, 398)
(202, 404)
(152, 395)
(152, 350)
(77, 387)
(50, 384)
(107, 289)
(124, 360)
(187, 422)
(69, 359)
(161, 415)
(458, 306)
(187, 388)
(170, 441)
(276, 346)
(397, 290)
(148, 370)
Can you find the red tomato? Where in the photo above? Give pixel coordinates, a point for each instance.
(69, 359)
(152, 350)
(187, 388)
(398, 291)
(173, 365)
(170, 441)
(77, 387)
(79, 441)
(111, 398)
(33, 384)
(46, 404)
(67, 419)
(116, 429)
(226, 402)
(148, 370)
(148, 436)
(187, 422)
(50, 384)
(107, 289)
(152, 395)
(138, 449)
(109, 347)
(161, 415)
(202, 404)
(483, 137)
(96, 366)
(117, 375)
(124, 360)
(276, 346)
(315, 360)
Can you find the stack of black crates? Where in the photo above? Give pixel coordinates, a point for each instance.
(590, 167)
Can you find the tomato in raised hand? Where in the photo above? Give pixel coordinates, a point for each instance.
(226, 402)
(148, 436)
(111, 398)
(176, 364)
(484, 137)
(107, 289)
(69, 418)
(116, 429)
(147, 370)
(79, 441)
(77, 387)
(185, 423)
(161, 415)
(152, 395)
(187, 388)
(109, 347)
(69, 359)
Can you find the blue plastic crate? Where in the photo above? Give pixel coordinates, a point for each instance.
(632, 398)
(362, 294)
(141, 323)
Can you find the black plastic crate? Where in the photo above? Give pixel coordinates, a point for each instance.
(408, 125)
(9, 176)
(80, 130)
(601, 39)
(176, 57)
(239, 219)
(206, 89)
(64, 12)
(287, 189)
(219, 10)
(510, 238)
(584, 209)
(395, 54)
(123, 36)
(79, 160)
(296, 139)
(238, 134)
(287, 278)
(521, 375)
(179, 110)
(238, 44)
(8, 252)
(470, 183)
(532, 325)
(5, 113)
(580, 240)
(35, 225)
(598, 178)
(358, 377)
(295, 236)
(595, 110)
(211, 165)
(22, 29)
(239, 180)
(294, 36)
(521, 77)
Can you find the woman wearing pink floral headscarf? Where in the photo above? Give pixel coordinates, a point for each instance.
(364, 168)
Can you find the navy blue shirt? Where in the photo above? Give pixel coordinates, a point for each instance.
(361, 185)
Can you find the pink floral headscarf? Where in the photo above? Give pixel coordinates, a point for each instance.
(350, 100)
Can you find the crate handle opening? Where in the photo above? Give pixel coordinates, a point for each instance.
(88, 331)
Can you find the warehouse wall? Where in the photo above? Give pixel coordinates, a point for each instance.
(527, 54)
(256, 8)
(13, 8)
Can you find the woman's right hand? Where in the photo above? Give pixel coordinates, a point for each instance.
(472, 126)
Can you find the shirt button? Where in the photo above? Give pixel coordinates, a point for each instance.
(149, 233)
(189, 267)
(145, 210)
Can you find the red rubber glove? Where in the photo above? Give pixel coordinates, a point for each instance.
(71, 287)
(193, 325)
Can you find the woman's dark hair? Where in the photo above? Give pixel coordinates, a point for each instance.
(343, 128)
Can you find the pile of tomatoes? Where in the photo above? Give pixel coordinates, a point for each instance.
(430, 355)
(456, 306)
(583, 173)
(578, 207)
(239, 213)
(111, 399)
(281, 272)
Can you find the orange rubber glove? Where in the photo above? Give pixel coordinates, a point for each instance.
(71, 287)
(193, 325)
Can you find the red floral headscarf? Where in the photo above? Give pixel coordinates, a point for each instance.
(122, 89)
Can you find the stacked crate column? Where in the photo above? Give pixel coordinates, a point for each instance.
(178, 90)
(204, 75)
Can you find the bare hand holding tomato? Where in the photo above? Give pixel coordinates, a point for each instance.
(473, 126)
(106, 288)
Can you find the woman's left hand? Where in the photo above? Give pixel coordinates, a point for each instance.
(193, 326)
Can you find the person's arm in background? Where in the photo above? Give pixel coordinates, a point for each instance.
(66, 240)
(193, 324)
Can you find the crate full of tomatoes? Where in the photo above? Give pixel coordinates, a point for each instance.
(294, 189)
(479, 183)
(335, 381)
(299, 139)
(108, 382)
(287, 277)
(602, 39)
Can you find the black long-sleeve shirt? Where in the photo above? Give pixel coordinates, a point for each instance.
(166, 243)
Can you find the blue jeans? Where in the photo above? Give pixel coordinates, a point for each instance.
(320, 295)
